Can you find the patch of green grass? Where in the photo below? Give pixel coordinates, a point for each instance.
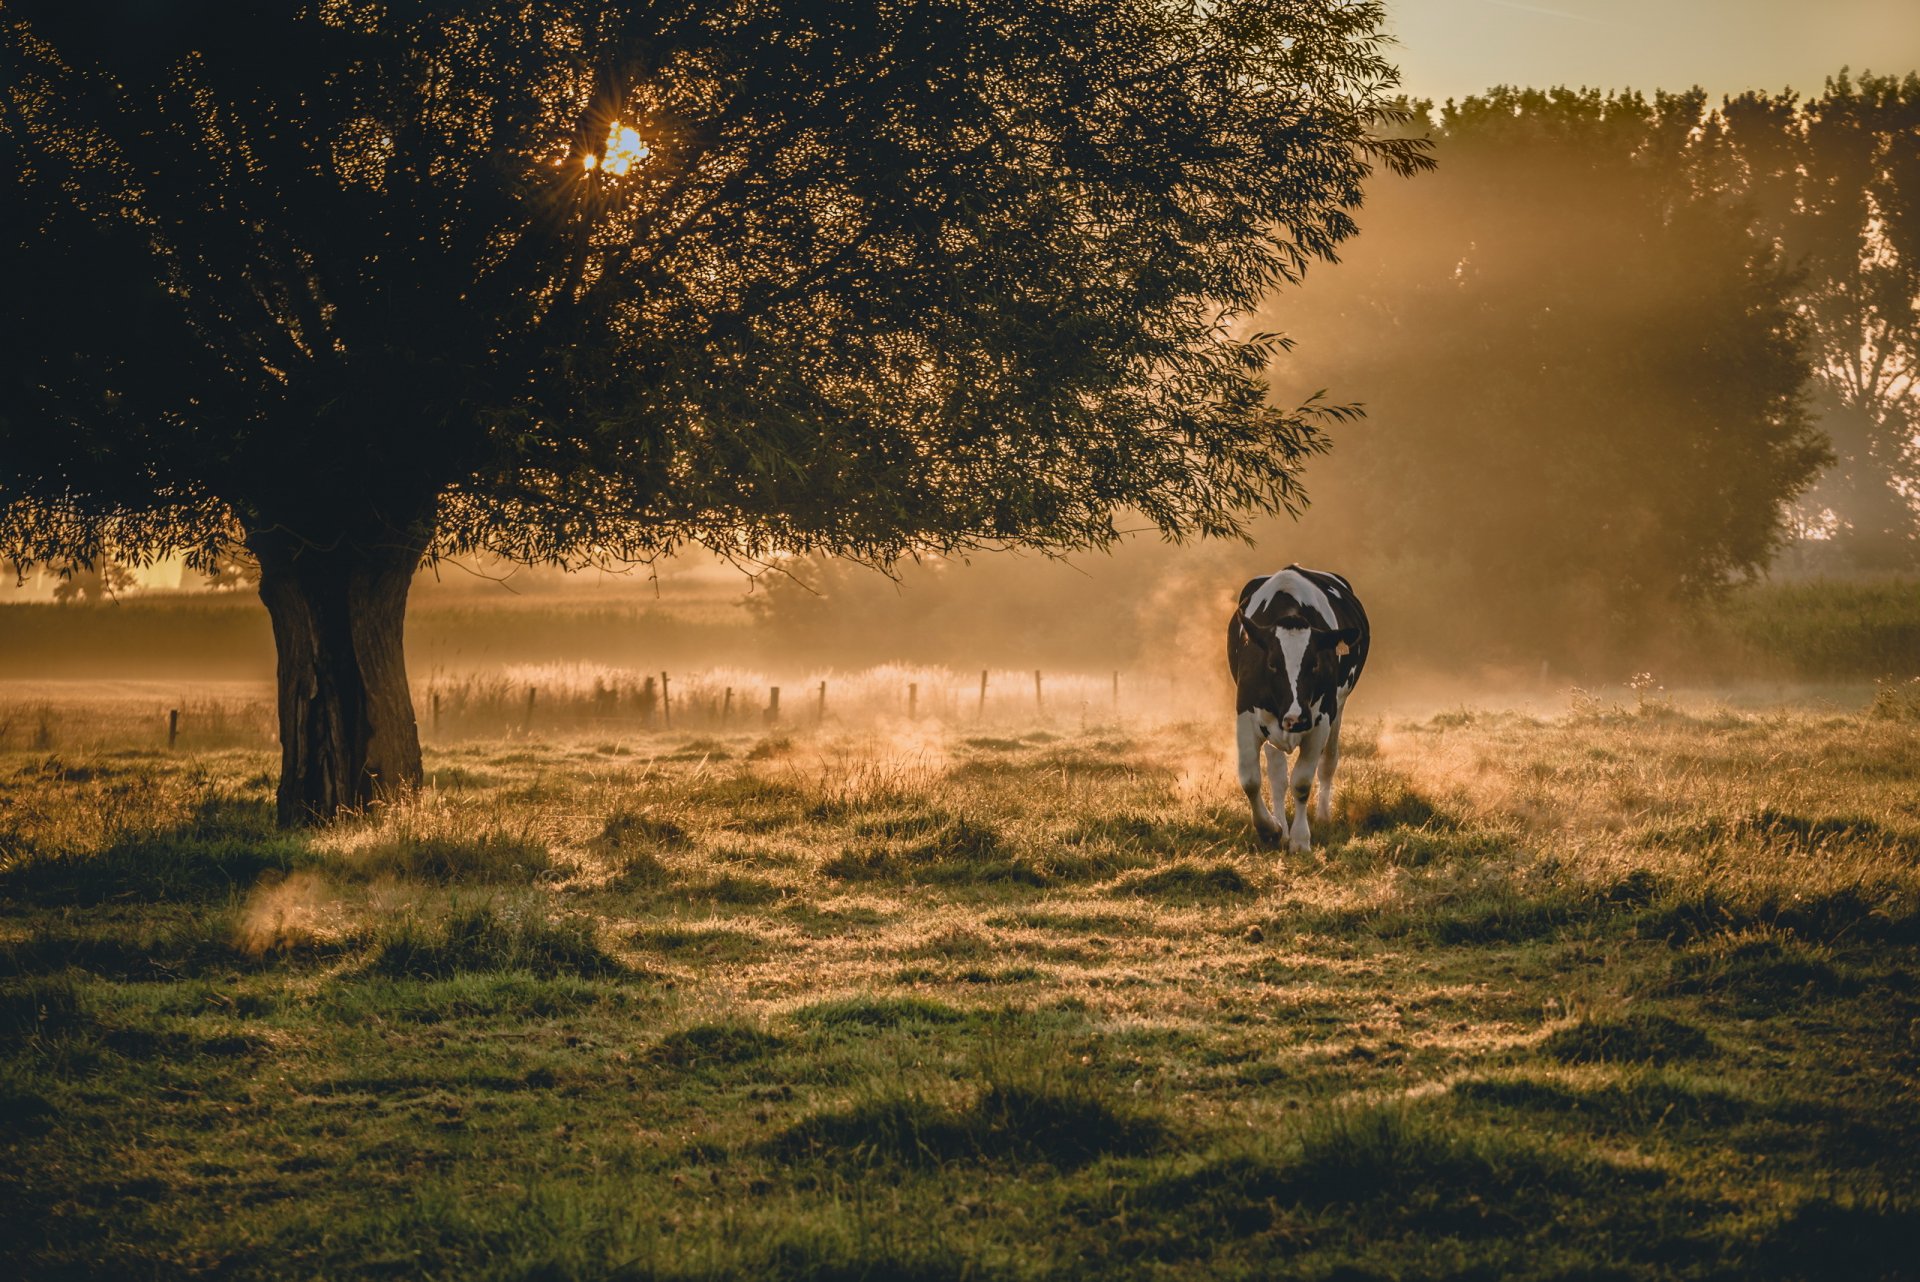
(1828, 1237)
(1387, 1164)
(713, 1045)
(223, 849)
(877, 1012)
(491, 858)
(1635, 1105)
(1190, 882)
(1639, 1037)
(1150, 834)
(491, 939)
(1884, 910)
(181, 945)
(627, 830)
(1379, 801)
(933, 849)
(1061, 1118)
(709, 944)
(1760, 972)
(734, 889)
(1418, 847)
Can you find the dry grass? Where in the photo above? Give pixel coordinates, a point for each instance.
(1627, 991)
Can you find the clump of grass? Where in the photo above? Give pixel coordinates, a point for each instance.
(1644, 1099)
(1884, 910)
(1190, 882)
(708, 944)
(1403, 847)
(903, 823)
(636, 830)
(1379, 801)
(40, 1008)
(1026, 1114)
(770, 747)
(1759, 971)
(731, 888)
(178, 946)
(491, 858)
(877, 1012)
(1826, 1237)
(460, 779)
(1641, 1037)
(708, 1045)
(633, 840)
(875, 863)
(1378, 1159)
(1148, 834)
(938, 850)
(1896, 701)
(490, 939)
(197, 862)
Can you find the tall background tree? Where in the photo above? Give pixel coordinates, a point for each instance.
(1583, 380)
(358, 284)
(1834, 181)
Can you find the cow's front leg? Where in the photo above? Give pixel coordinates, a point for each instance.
(1329, 762)
(1300, 784)
(1250, 742)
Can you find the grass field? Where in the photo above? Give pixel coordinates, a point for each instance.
(1620, 992)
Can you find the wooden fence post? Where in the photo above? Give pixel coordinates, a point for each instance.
(527, 728)
(820, 717)
(1038, 705)
(173, 727)
(773, 705)
(726, 707)
(1116, 690)
(982, 714)
(666, 703)
(913, 700)
(436, 712)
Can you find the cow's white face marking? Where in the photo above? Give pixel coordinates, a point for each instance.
(1293, 649)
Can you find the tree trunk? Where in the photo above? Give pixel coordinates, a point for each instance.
(347, 733)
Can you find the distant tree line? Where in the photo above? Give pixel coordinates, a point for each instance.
(1608, 352)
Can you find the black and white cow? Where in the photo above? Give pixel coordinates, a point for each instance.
(1295, 645)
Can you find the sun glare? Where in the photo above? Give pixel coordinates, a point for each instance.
(623, 150)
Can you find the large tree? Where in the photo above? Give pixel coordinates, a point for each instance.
(1835, 182)
(362, 283)
(1583, 380)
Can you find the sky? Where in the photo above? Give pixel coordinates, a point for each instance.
(1452, 48)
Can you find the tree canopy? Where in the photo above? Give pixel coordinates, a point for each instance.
(602, 278)
(359, 282)
(1583, 375)
(1834, 182)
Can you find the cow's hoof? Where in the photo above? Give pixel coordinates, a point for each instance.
(1267, 836)
(1300, 846)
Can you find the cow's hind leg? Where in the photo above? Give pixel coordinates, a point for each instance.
(1300, 783)
(1329, 762)
(1250, 742)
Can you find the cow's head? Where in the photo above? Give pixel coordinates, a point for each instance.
(1302, 664)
